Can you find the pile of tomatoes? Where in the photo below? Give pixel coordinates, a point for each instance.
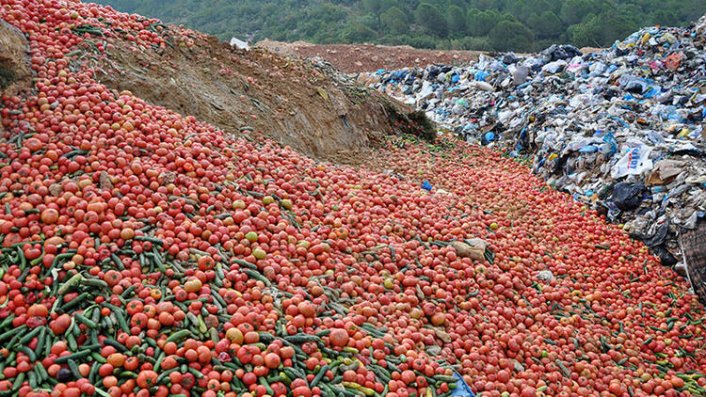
(146, 253)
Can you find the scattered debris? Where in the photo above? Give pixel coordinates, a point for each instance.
(239, 44)
(472, 248)
(545, 275)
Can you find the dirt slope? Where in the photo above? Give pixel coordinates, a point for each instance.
(308, 107)
(15, 73)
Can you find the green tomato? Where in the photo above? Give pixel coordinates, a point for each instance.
(259, 253)
(251, 236)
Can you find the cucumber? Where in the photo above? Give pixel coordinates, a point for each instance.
(75, 301)
(118, 263)
(119, 315)
(73, 282)
(28, 337)
(266, 384)
(75, 356)
(94, 371)
(246, 264)
(7, 321)
(302, 338)
(41, 372)
(152, 240)
(29, 352)
(164, 375)
(19, 380)
(127, 375)
(266, 337)
(12, 332)
(82, 319)
(445, 378)
(381, 372)
(98, 358)
(117, 345)
(257, 276)
(319, 375)
(94, 282)
(74, 368)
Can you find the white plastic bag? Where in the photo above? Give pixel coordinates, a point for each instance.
(634, 162)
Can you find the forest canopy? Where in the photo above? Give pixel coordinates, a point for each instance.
(520, 25)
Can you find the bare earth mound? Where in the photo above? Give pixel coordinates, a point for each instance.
(308, 107)
(14, 64)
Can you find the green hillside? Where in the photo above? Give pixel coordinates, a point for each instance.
(523, 25)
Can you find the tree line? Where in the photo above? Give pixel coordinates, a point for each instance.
(501, 25)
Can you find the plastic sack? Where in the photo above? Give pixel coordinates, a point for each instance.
(519, 75)
(627, 196)
(481, 85)
(481, 75)
(462, 389)
(634, 162)
(488, 138)
(610, 146)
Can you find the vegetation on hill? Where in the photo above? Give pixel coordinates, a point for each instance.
(523, 25)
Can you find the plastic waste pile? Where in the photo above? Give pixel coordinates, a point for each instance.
(621, 129)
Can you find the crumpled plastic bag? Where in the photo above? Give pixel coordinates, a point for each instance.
(462, 389)
(634, 162)
(627, 196)
(482, 85)
(471, 248)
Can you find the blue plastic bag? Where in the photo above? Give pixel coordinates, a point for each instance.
(462, 389)
(481, 75)
(652, 92)
(612, 144)
(426, 185)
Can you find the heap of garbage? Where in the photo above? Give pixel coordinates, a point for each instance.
(621, 129)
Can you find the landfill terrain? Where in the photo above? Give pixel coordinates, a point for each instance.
(180, 218)
(620, 129)
(364, 58)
